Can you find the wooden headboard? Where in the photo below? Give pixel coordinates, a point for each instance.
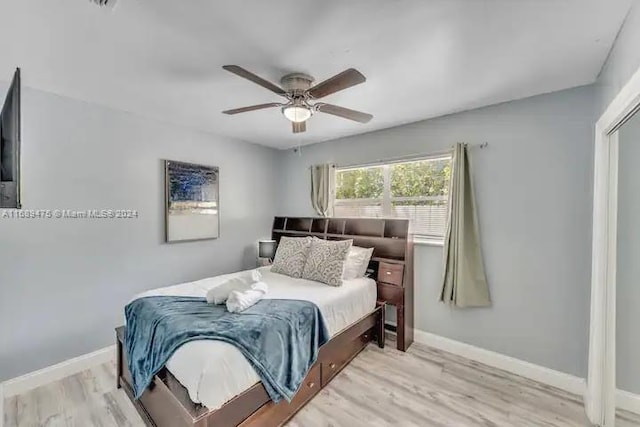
(392, 245)
(388, 237)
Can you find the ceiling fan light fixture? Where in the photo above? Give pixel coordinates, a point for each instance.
(296, 113)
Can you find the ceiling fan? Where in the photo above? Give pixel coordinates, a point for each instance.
(296, 87)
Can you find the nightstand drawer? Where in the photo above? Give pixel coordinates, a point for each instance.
(390, 293)
(390, 273)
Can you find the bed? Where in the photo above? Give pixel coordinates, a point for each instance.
(210, 383)
(213, 372)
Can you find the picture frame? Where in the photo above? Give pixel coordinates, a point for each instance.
(192, 209)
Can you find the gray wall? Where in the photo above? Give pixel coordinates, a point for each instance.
(534, 191)
(63, 283)
(628, 268)
(623, 61)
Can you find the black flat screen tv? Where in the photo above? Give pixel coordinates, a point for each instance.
(10, 146)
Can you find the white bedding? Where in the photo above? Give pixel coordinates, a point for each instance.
(214, 372)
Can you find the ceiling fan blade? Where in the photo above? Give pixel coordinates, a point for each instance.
(252, 108)
(239, 71)
(344, 80)
(299, 127)
(345, 113)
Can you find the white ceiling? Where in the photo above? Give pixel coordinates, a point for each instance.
(422, 58)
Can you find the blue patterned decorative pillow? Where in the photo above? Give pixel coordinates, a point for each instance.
(291, 256)
(326, 259)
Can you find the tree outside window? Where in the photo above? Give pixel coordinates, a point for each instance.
(416, 190)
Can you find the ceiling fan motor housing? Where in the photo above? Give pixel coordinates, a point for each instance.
(296, 82)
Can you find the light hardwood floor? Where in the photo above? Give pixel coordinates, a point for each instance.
(423, 387)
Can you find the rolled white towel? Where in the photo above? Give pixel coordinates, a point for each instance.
(241, 300)
(242, 282)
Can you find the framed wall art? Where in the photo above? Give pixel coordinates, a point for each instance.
(192, 210)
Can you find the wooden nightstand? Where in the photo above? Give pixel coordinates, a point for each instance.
(392, 290)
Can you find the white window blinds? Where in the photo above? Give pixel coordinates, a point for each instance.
(416, 190)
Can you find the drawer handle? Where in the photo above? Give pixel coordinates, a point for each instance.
(311, 385)
(388, 272)
(332, 365)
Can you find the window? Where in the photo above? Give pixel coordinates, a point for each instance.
(416, 190)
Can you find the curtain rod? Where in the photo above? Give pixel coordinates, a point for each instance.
(408, 157)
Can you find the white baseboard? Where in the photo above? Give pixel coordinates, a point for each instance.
(56, 372)
(561, 380)
(628, 401)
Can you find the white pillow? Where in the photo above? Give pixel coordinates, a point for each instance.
(357, 262)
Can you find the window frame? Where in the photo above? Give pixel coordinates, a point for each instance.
(386, 201)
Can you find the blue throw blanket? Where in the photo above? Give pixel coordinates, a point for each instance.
(280, 338)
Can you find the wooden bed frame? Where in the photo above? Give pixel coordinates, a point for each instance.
(166, 402)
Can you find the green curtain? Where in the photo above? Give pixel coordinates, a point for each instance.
(321, 186)
(464, 281)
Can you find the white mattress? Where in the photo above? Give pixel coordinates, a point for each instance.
(214, 372)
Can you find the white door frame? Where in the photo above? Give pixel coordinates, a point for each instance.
(600, 395)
